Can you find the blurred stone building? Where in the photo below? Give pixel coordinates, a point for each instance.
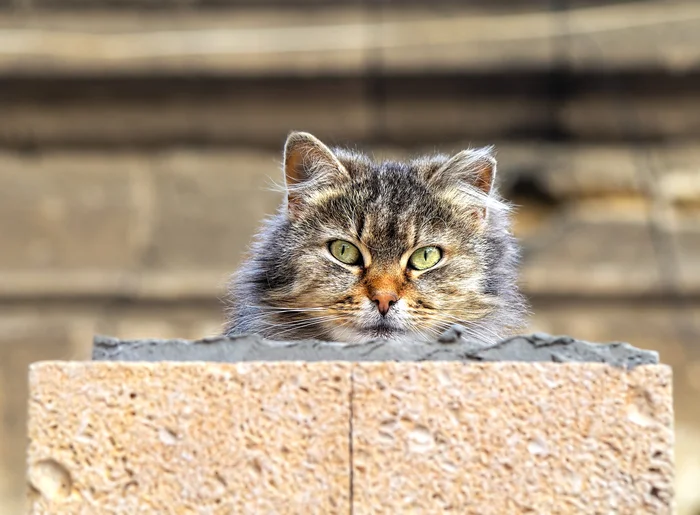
(139, 141)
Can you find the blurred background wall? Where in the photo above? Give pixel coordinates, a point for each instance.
(139, 140)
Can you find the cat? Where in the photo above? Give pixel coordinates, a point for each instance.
(362, 250)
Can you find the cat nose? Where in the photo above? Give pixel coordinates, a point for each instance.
(384, 301)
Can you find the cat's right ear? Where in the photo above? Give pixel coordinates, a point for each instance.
(309, 165)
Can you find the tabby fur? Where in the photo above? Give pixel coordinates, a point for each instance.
(291, 287)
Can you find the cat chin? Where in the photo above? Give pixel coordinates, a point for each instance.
(352, 335)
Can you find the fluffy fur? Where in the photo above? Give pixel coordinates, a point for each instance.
(291, 287)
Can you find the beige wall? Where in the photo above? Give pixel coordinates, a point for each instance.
(140, 244)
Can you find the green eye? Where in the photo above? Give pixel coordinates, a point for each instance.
(425, 257)
(345, 252)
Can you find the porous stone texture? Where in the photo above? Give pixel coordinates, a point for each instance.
(189, 438)
(496, 438)
(337, 437)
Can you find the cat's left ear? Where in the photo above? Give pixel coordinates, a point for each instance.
(472, 172)
(308, 166)
(476, 168)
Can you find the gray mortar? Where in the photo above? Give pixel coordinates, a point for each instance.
(449, 347)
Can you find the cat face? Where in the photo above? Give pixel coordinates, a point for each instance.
(364, 250)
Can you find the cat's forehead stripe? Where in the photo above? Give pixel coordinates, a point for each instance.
(365, 227)
(388, 215)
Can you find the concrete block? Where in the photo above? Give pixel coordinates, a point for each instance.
(534, 424)
(496, 438)
(450, 346)
(189, 438)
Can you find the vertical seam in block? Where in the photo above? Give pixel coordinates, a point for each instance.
(350, 438)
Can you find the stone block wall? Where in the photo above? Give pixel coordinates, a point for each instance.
(338, 437)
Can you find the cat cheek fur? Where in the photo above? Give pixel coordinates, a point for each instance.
(288, 288)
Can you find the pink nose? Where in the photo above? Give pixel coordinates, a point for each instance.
(384, 301)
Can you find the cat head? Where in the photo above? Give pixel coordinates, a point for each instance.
(362, 250)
